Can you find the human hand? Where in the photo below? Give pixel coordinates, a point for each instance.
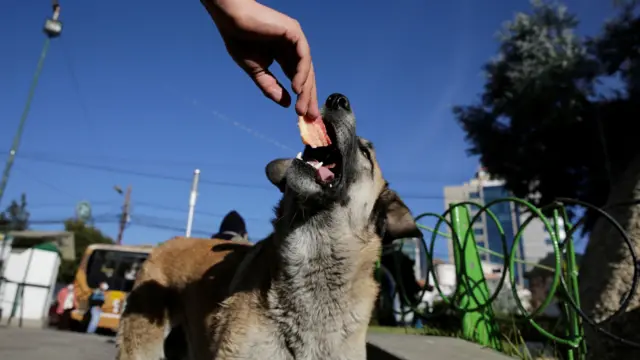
(255, 36)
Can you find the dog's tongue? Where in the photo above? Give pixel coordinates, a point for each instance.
(325, 174)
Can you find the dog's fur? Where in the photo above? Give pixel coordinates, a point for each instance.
(305, 292)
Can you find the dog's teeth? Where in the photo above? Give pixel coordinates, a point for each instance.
(299, 156)
(317, 165)
(330, 185)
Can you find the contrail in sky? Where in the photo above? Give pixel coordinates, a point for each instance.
(220, 116)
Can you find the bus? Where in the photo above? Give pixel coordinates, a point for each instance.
(117, 265)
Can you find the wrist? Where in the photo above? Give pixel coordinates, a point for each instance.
(223, 6)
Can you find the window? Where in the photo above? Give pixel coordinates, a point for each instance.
(114, 267)
(478, 231)
(474, 195)
(548, 241)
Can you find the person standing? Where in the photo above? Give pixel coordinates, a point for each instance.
(66, 304)
(232, 227)
(96, 300)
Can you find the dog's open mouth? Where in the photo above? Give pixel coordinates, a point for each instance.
(326, 161)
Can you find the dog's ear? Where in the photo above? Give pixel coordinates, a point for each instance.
(276, 171)
(396, 219)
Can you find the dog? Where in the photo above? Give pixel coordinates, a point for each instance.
(307, 291)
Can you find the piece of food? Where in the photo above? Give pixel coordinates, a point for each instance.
(313, 132)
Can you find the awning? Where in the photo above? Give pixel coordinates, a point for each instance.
(63, 240)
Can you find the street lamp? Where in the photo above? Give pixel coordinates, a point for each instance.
(53, 26)
(53, 29)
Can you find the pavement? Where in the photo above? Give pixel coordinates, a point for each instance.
(38, 344)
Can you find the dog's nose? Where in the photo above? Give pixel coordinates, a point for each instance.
(338, 101)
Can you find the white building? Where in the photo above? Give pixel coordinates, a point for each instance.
(30, 262)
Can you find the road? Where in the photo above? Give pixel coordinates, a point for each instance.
(36, 344)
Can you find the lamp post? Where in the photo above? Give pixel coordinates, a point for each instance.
(52, 29)
(192, 201)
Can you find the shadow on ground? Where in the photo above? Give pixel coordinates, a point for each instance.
(375, 353)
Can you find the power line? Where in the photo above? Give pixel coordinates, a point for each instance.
(393, 176)
(34, 178)
(102, 218)
(156, 176)
(183, 211)
(177, 229)
(67, 205)
(148, 161)
(181, 179)
(83, 106)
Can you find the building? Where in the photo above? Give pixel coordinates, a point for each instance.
(483, 189)
(28, 275)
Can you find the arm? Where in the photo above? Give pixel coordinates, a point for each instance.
(248, 30)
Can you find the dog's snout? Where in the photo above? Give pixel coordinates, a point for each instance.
(338, 101)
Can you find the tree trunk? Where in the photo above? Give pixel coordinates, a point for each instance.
(606, 273)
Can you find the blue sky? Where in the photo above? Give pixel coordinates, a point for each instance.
(142, 92)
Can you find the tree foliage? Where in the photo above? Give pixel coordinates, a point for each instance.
(558, 112)
(84, 235)
(15, 217)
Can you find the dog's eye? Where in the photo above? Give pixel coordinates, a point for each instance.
(366, 152)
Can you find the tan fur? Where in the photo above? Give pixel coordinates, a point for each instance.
(194, 275)
(305, 292)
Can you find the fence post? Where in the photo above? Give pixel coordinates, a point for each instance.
(479, 326)
(575, 331)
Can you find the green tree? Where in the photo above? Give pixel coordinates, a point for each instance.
(84, 235)
(16, 216)
(549, 125)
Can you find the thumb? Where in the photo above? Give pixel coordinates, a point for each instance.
(271, 87)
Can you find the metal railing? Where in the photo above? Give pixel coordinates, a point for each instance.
(472, 298)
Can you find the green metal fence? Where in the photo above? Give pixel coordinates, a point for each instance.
(472, 298)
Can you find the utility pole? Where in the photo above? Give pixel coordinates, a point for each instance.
(192, 201)
(124, 218)
(52, 29)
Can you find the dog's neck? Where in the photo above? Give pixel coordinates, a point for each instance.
(323, 273)
(328, 240)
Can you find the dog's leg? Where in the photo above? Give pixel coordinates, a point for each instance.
(142, 326)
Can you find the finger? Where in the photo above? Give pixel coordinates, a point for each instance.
(271, 87)
(307, 102)
(303, 52)
(258, 71)
(313, 111)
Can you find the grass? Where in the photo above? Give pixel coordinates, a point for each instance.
(411, 331)
(406, 330)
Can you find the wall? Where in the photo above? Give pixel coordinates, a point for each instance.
(536, 240)
(42, 271)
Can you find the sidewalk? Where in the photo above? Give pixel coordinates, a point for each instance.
(419, 347)
(37, 344)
